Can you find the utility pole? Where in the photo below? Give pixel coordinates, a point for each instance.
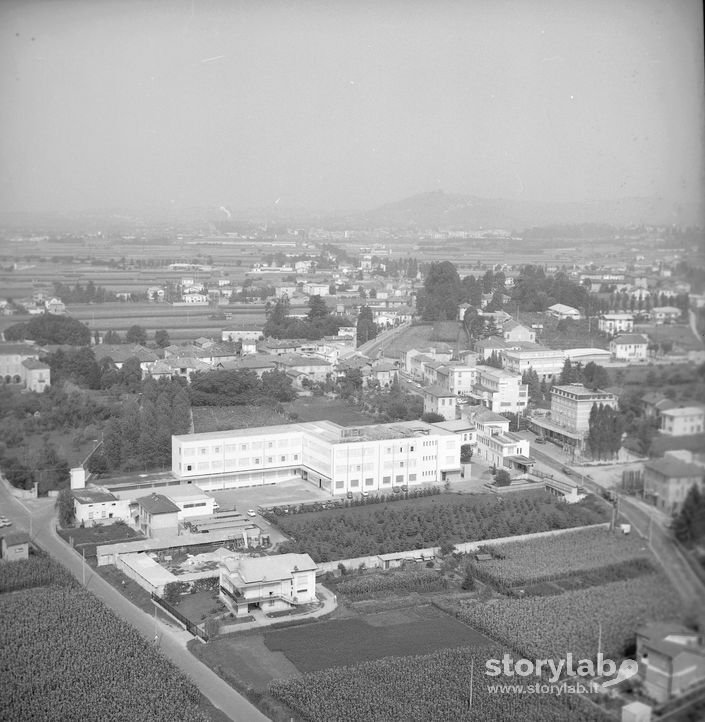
(83, 567)
(599, 638)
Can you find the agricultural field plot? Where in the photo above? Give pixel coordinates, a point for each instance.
(438, 686)
(376, 585)
(222, 418)
(412, 337)
(550, 558)
(424, 522)
(315, 408)
(344, 642)
(550, 626)
(66, 656)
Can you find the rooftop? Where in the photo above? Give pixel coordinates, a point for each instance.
(34, 365)
(631, 339)
(672, 468)
(262, 569)
(580, 391)
(682, 411)
(157, 504)
(92, 496)
(15, 538)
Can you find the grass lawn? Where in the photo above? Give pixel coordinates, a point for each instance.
(86, 539)
(412, 337)
(348, 641)
(220, 418)
(680, 335)
(200, 605)
(663, 443)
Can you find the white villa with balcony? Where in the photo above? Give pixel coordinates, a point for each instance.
(272, 584)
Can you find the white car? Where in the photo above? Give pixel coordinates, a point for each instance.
(251, 512)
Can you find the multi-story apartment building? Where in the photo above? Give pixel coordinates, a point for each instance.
(437, 400)
(616, 323)
(684, 421)
(457, 378)
(358, 459)
(571, 406)
(499, 390)
(548, 363)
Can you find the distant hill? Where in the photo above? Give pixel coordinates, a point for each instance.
(438, 209)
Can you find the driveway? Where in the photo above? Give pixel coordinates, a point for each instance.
(172, 642)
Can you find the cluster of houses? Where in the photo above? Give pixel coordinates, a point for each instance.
(34, 305)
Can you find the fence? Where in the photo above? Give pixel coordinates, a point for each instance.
(188, 624)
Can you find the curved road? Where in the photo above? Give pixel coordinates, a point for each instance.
(171, 642)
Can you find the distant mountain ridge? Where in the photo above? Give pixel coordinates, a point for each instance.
(437, 209)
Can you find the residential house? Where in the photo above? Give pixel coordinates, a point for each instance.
(499, 390)
(156, 515)
(629, 347)
(437, 400)
(383, 372)
(654, 403)
(55, 306)
(14, 546)
(195, 298)
(561, 311)
(613, 323)
(156, 293)
(665, 314)
(683, 421)
(312, 368)
(259, 363)
(456, 377)
(312, 288)
(485, 347)
(20, 365)
(671, 659)
(335, 458)
(279, 346)
(93, 506)
(413, 366)
(668, 480)
(242, 332)
(496, 444)
(121, 352)
(513, 331)
(271, 584)
(182, 367)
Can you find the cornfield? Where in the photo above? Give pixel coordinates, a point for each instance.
(575, 621)
(370, 584)
(38, 571)
(417, 689)
(595, 553)
(67, 657)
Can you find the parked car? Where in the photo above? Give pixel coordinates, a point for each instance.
(404, 488)
(251, 512)
(364, 493)
(540, 440)
(396, 490)
(349, 495)
(567, 471)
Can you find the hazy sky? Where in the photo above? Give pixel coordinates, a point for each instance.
(334, 105)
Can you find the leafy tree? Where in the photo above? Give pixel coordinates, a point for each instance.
(366, 327)
(689, 524)
(277, 385)
(466, 453)
(431, 417)
(567, 374)
(502, 478)
(161, 338)
(130, 374)
(51, 329)
(65, 508)
(441, 294)
(606, 426)
(112, 337)
(595, 376)
(136, 334)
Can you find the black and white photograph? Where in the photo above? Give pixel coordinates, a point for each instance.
(352, 361)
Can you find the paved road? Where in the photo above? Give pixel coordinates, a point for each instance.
(371, 348)
(171, 642)
(649, 523)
